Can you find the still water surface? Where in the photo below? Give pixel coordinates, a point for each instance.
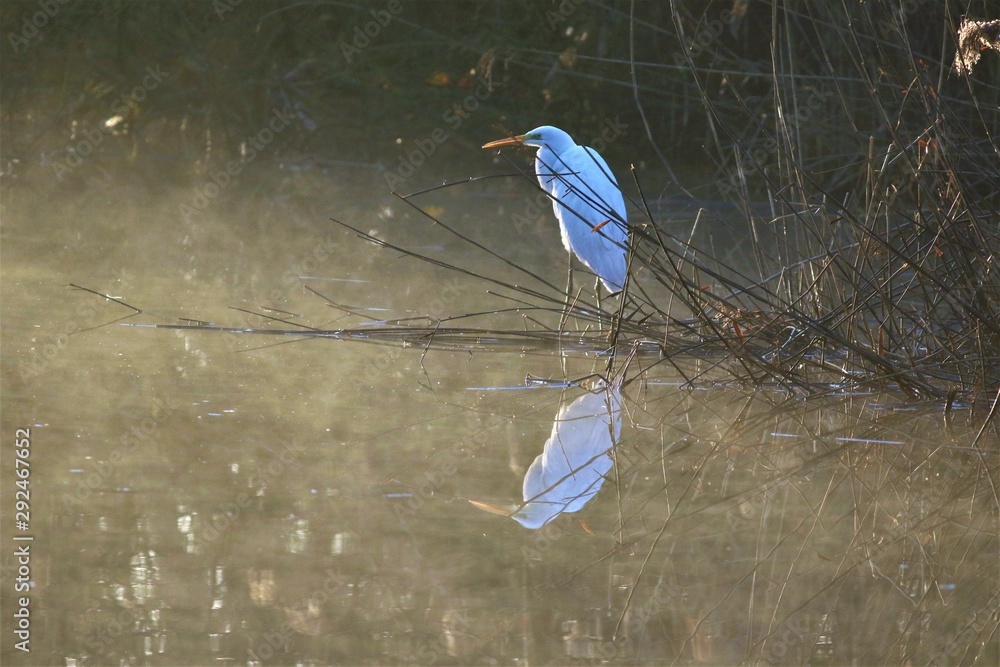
(212, 498)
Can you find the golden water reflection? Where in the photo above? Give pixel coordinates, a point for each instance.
(213, 498)
(730, 530)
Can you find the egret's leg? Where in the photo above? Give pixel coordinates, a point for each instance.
(569, 275)
(569, 291)
(597, 292)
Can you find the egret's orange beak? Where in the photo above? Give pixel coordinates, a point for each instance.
(509, 141)
(494, 509)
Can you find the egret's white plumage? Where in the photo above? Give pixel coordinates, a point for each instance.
(574, 461)
(586, 199)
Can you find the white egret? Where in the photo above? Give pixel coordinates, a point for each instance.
(573, 463)
(586, 199)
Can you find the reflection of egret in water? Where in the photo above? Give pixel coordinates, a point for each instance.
(571, 468)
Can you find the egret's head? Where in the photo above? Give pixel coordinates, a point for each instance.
(550, 137)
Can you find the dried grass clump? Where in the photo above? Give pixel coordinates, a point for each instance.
(974, 37)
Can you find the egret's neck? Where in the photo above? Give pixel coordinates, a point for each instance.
(559, 144)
